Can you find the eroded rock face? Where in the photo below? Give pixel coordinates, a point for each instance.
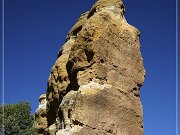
(40, 115)
(94, 85)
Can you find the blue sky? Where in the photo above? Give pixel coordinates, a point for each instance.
(36, 29)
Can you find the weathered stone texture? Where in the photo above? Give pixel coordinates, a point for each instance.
(40, 115)
(94, 85)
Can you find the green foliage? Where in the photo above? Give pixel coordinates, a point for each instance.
(17, 119)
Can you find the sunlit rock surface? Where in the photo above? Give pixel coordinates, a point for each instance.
(94, 85)
(40, 115)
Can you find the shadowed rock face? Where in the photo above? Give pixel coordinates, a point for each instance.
(94, 85)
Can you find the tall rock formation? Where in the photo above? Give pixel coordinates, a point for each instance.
(94, 85)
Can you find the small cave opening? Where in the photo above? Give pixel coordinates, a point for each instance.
(91, 13)
(89, 54)
(72, 75)
(76, 31)
(51, 113)
(101, 60)
(69, 113)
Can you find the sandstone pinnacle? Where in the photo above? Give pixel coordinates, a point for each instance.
(94, 85)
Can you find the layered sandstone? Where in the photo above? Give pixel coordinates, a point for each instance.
(94, 85)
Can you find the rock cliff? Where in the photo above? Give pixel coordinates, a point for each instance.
(94, 85)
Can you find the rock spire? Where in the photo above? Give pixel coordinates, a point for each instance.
(94, 85)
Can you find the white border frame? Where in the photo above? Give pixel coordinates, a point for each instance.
(177, 77)
(3, 64)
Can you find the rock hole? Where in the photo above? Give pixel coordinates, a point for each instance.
(51, 113)
(109, 131)
(76, 122)
(89, 54)
(43, 114)
(101, 60)
(60, 124)
(77, 30)
(72, 75)
(65, 79)
(115, 66)
(91, 13)
(69, 113)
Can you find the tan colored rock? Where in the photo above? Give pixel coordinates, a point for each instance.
(40, 115)
(94, 85)
(52, 129)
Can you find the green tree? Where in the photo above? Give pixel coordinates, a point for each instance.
(17, 119)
